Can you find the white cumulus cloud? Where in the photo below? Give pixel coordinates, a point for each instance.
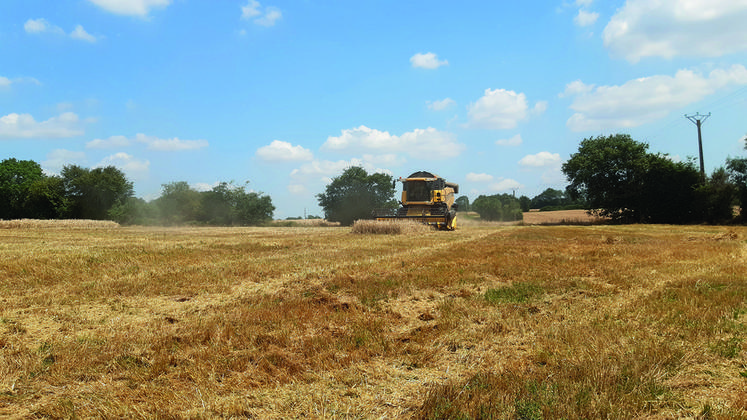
(6, 82)
(81, 34)
(541, 160)
(264, 16)
(203, 186)
(475, 177)
(646, 99)
(41, 25)
(501, 109)
(279, 151)
(389, 159)
(576, 87)
(58, 158)
(539, 108)
(110, 143)
(151, 142)
(272, 15)
(427, 61)
(491, 183)
(33, 26)
(24, 126)
(670, 28)
(441, 104)
(585, 18)
(506, 184)
(130, 7)
(417, 143)
(361, 137)
(170, 145)
(325, 170)
(127, 163)
(250, 10)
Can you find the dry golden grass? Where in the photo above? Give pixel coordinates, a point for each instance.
(306, 223)
(484, 322)
(390, 227)
(580, 217)
(64, 224)
(549, 218)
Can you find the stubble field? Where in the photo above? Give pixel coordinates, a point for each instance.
(489, 321)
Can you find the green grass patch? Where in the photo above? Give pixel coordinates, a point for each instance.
(516, 293)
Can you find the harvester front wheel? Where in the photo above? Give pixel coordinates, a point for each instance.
(451, 221)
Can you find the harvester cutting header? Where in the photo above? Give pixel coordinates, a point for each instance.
(427, 198)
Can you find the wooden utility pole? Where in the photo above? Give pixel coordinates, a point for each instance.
(698, 120)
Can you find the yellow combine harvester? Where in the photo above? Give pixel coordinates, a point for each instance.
(427, 198)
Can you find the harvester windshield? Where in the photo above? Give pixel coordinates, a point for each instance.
(417, 191)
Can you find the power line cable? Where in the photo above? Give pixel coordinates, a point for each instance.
(714, 105)
(727, 99)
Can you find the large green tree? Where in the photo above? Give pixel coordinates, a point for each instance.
(16, 180)
(252, 208)
(218, 204)
(46, 199)
(668, 192)
(617, 178)
(355, 194)
(716, 197)
(93, 192)
(737, 170)
(178, 203)
(607, 173)
(525, 203)
(550, 197)
(229, 205)
(498, 207)
(224, 205)
(135, 211)
(462, 203)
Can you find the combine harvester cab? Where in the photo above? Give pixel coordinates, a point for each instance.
(426, 197)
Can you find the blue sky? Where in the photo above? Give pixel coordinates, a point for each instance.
(286, 94)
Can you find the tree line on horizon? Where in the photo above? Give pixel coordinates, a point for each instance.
(106, 194)
(355, 193)
(617, 178)
(613, 177)
(548, 200)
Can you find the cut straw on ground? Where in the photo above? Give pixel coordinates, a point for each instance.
(488, 321)
(71, 223)
(390, 227)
